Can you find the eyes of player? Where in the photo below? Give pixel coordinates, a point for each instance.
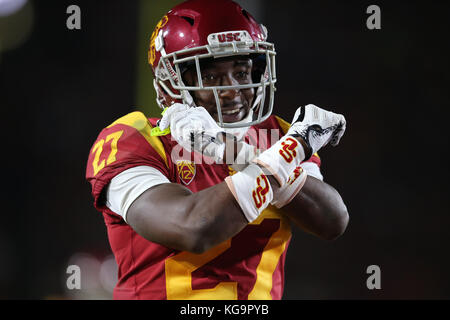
(213, 79)
(209, 78)
(244, 76)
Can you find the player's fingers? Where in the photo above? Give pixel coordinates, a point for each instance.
(178, 124)
(206, 117)
(199, 110)
(187, 127)
(169, 113)
(180, 120)
(163, 123)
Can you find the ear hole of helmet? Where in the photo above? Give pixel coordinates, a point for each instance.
(245, 13)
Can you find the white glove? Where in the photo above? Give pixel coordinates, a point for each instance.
(195, 129)
(317, 127)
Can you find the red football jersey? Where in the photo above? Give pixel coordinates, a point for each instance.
(250, 265)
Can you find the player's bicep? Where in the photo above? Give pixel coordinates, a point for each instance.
(151, 205)
(159, 215)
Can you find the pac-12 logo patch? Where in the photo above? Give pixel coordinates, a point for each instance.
(186, 171)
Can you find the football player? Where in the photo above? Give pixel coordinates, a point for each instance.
(199, 204)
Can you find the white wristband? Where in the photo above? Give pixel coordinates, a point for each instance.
(282, 158)
(252, 190)
(282, 196)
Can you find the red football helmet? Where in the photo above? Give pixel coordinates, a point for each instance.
(204, 29)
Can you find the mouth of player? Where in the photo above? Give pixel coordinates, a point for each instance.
(233, 114)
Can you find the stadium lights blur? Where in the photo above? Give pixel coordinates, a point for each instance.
(16, 23)
(98, 276)
(9, 7)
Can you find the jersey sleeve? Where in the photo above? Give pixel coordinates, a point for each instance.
(124, 144)
(128, 185)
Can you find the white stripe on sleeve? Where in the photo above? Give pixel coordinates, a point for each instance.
(128, 185)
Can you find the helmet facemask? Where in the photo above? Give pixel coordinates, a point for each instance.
(169, 71)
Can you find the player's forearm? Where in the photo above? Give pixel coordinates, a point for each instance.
(318, 209)
(217, 214)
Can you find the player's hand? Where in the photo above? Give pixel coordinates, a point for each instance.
(311, 129)
(194, 129)
(317, 127)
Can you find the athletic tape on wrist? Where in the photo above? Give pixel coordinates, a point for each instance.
(282, 196)
(282, 158)
(252, 190)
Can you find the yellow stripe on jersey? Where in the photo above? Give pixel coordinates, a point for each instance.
(271, 254)
(285, 127)
(138, 121)
(283, 124)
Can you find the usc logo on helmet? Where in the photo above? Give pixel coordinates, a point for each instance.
(152, 51)
(287, 150)
(259, 194)
(229, 37)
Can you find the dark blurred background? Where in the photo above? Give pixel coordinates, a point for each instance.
(60, 87)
